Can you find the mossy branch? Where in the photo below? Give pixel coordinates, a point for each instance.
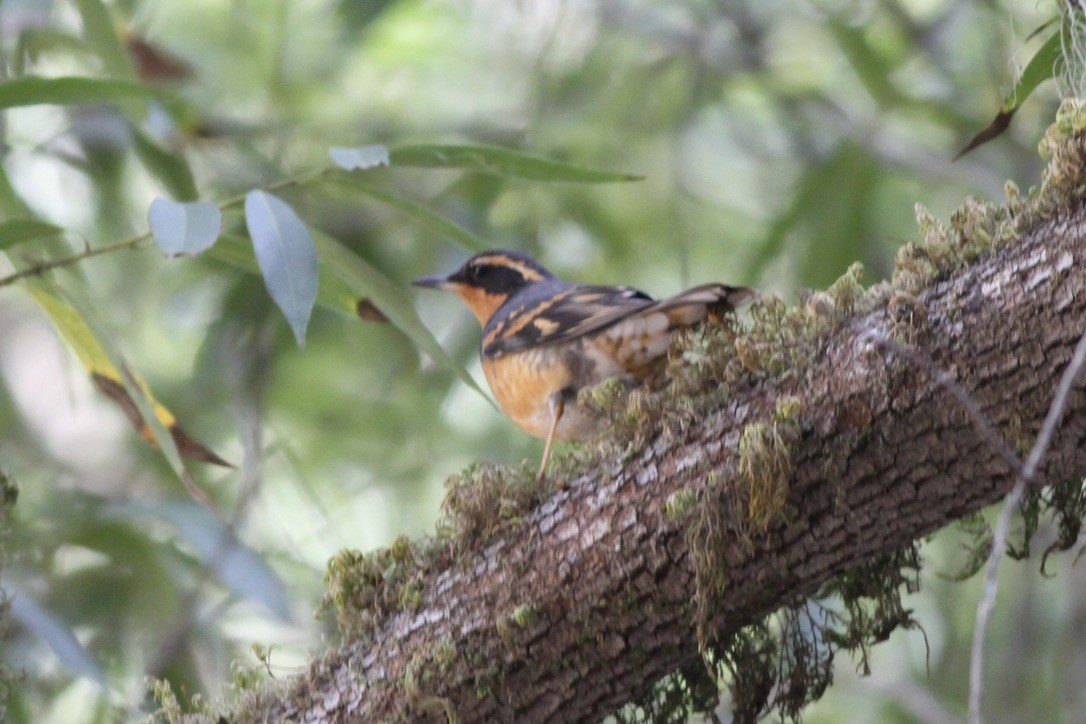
(665, 549)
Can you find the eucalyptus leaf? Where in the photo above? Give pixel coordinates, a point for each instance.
(32, 91)
(500, 162)
(286, 255)
(102, 37)
(188, 228)
(237, 566)
(414, 210)
(1046, 64)
(359, 157)
(171, 169)
(16, 231)
(44, 625)
(390, 298)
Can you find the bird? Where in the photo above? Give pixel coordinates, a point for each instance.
(545, 339)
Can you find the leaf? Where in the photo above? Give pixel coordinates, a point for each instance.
(186, 445)
(333, 293)
(32, 91)
(188, 228)
(500, 162)
(41, 623)
(16, 231)
(232, 562)
(359, 157)
(102, 36)
(171, 169)
(1046, 63)
(154, 63)
(416, 211)
(829, 211)
(286, 255)
(369, 312)
(389, 297)
(129, 391)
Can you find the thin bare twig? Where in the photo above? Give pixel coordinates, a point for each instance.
(134, 241)
(999, 541)
(1024, 473)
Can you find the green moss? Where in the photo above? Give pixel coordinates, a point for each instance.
(418, 701)
(9, 495)
(365, 587)
(765, 463)
(680, 503)
(511, 623)
(445, 653)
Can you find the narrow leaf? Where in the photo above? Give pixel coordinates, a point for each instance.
(16, 231)
(101, 360)
(286, 255)
(500, 162)
(232, 562)
(416, 211)
(187, 446)
(171, 169)
(333, 293)
(389, 297)
(41, 623)
(188, 228)
(32, 91)
(1046, 63)
(360, 157)
(101, 35)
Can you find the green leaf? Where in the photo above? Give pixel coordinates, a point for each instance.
(500, 162)
(188, 228)
(171, 169)
(359, 157)
(333, 293)
(33, 43)
(829, 213)
(389, 297)
(16, 231)
(237, 566)
(286, 255)
(102, 36)
(414, 210)
(55, 633)
(32, 91)
(1047, 63)
(74, 322)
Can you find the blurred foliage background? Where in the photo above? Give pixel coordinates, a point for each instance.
(779, 142)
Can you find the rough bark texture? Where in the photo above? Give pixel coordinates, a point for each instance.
(602, 576)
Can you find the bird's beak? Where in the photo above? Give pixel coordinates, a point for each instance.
(437, 281)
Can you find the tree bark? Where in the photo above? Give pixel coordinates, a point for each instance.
(584, 603)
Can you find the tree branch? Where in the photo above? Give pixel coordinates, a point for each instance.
(582, 603)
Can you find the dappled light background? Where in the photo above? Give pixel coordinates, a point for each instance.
(779, 142)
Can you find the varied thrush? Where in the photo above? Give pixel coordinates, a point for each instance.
(545, 339)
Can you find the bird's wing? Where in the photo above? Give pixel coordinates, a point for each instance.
(613, 313)
(567, 314)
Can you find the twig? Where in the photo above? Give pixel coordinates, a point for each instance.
(134, 241)
(1024, 473)
(999, 541)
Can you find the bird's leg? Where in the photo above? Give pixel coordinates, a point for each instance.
(557, 405)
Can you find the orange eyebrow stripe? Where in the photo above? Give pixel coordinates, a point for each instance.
(529, 274)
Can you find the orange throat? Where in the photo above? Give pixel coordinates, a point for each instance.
(481, 303)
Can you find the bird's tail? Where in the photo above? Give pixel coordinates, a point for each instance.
(696, 303)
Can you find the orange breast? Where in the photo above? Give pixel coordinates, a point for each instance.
(523, 384)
